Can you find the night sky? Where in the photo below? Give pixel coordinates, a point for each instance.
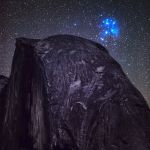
(123, 27)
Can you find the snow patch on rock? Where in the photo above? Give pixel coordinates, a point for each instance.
(100, 69)
(74, 86)
(82, 104)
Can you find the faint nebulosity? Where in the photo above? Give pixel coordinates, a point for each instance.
(128, 39)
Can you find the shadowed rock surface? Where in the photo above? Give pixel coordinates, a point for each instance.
(3, 82)
(3, 92)
(68, 93)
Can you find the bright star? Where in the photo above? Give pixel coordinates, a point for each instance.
(75, 24)
(106, 32)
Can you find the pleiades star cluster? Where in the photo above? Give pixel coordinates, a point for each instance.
(122, 26)
(108, 29)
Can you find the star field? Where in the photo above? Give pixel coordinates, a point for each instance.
(123, 27)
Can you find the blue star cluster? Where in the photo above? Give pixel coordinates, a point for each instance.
(109, 30)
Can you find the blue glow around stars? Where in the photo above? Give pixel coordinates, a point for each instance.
(109, 29)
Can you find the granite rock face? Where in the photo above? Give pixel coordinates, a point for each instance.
(68, 93)
(3, 92)
(3, 82)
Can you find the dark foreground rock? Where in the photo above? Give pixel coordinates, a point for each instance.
(68, 93)
(3, 92)
(3, 82)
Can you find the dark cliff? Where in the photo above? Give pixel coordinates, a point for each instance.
(68, 93)
(3, 94)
